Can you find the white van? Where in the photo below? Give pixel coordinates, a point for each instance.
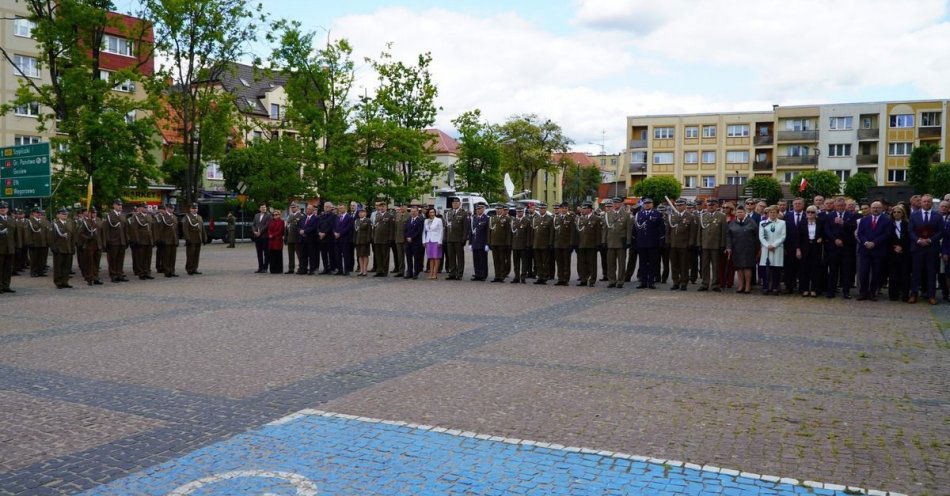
(468, 199)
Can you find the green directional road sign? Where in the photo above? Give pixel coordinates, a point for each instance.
(25, 171)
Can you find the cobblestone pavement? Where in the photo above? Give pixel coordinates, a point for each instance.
(112, 389)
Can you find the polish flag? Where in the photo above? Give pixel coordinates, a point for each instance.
(802, 185)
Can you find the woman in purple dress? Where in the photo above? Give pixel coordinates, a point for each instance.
(432, 238)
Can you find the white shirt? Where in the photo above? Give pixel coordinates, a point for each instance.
(897, 229)
(812, 227)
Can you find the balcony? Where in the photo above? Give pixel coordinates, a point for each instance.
(638, 143)
(638, 167)
(763, 140)
(798, 135)
(869, 134)
(762, 165)
(929, 132)
(867, 159)
(806, 160)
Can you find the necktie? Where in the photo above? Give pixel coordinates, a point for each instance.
(873, 223)
(926, 217)
(798, 218)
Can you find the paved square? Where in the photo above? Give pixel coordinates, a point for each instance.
(143, 387)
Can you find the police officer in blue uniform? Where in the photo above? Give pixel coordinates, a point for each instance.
(650, 232)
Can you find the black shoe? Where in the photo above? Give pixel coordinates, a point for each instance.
(514, 281)
(590, 284)
(123, 279)
(194, 273)
(718, 290)
(170, 275)
(674, 287)
(88, 283)
(311, 273)
(324, 272)
(862, 297)
(560, 283)
(703, 288)
(582, 284)
(97, 282)
(603, 279)
(683, 288)
(541, 282)
(143, 278)
(829, 295)
(67, 286)
(641, 286)
(612, 285)
(380, 274)
(289, 272)
(619, 285)
(651, 286)
(846, 296)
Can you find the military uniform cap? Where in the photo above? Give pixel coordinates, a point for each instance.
(454, 199)
(617, 199)
(608, 201)
(681, 201)
(18, 210)
(62, 211)
(543, 205)
(169, 205)
(691, 203)
(712, 200)
(117, 201)
(4, 204)
(648, 200)
(36, 209)
(564, 205)
(587, 205)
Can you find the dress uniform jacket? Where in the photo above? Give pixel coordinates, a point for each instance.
(712, 230)
(140, 229)
(542, 227)
(681, 230)
(616, 229)
(37, 235)
(166, 229)
(7, 235)
(384, 228)
(457, 225)
(651, 229)
(293, 227)
(499, 231)
(519, 232)
(588, 230)
(89, 234)
(565, 236)
(114, 228)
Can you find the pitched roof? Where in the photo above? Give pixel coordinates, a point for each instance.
(249, 86)
(443, 144)
(576, 157)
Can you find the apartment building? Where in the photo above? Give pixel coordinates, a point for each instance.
(704, 151)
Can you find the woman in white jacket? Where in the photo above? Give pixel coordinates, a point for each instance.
(432, 239)
(772, 238)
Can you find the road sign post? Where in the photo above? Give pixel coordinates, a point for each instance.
(25, 171)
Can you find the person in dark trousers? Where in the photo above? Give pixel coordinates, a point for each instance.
(898, 256)
(793, 219)
(309, 239)
(412, 232)
(479, 243)
(259, 231)
(326, 242)
(926, 232)
(343, 241)
(839, 248)
(874, 231)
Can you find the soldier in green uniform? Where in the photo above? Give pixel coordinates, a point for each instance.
(617, 229)
(63, 245)
(588, 229)
(383, 231)
(7, 247)
(602, 245)
(693, 250)
(160, 252)
(499, 242)
(20, 257)
(399, 238)
(682, 228)
(37, 239)
(520, 227)
(193, 228)
(292, 237)
(565, 237)
(140, 237)
(231, 233)
(115, 231)
(457, 231)
(542, 239)
(166, 240)
(712, 241)
(89, 246)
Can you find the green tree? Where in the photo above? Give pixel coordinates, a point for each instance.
(200, 40)
(319, 106)
(528, 146)
(269, 169)
(580, 182)
(857, 186)
(478, 167)
(766, 187)
(659, 188)
(93, 135)
(824, 183)
(940, 180)
(918, 173)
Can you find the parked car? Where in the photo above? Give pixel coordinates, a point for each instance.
(214, 211)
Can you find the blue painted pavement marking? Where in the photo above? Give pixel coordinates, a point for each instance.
(310, 455)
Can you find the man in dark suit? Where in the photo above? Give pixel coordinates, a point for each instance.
(342, 241)
(926, 231)
(479, 243)
(259, 227)
(309, 239)
(412, 232)
(874, 232)
(793, 219)
(325, 239)
(839, 235)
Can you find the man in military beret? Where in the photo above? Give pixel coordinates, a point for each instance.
(7, 247)
(565, 237)
(115, 230)
(712, 242)
(520, 228)
(478, 241)
(193, 228)
(588, 227)
(651, 229)
(89, 246)
(140, 237)
(682, 228)
(457, 232)
(63, 244)
(499, 240)
(617, 227)
(542, 228)
(166, 240)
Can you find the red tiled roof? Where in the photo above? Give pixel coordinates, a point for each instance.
(576, 157)
(443, 143)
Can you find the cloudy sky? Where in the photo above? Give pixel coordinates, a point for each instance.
(588, 64)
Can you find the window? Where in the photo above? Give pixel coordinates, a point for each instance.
(25, 140)
(709, 181)
(709, 157)
(896, 175)
(127, 86)
(788, 177)
(114, 44)
(690, 157)
(843, 175)
(733, 180)
(839, 150)
(613, 161)
(643, 134)
(930, 119)
(764, 131)
(663, 133)
(692, 132)
(840, 123)
(213, 171)
(130, 117)
(27, 66)
(796, 151)
(709, 131)
(689, 181)
(737, 130)
(866, 123)
(798, 125)
(737, 157)
(274, 111)
(31, 109)
(23, 27)
(902, 120)
(639, 157)
(899, 149)
(663, 158)
(761, 157)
